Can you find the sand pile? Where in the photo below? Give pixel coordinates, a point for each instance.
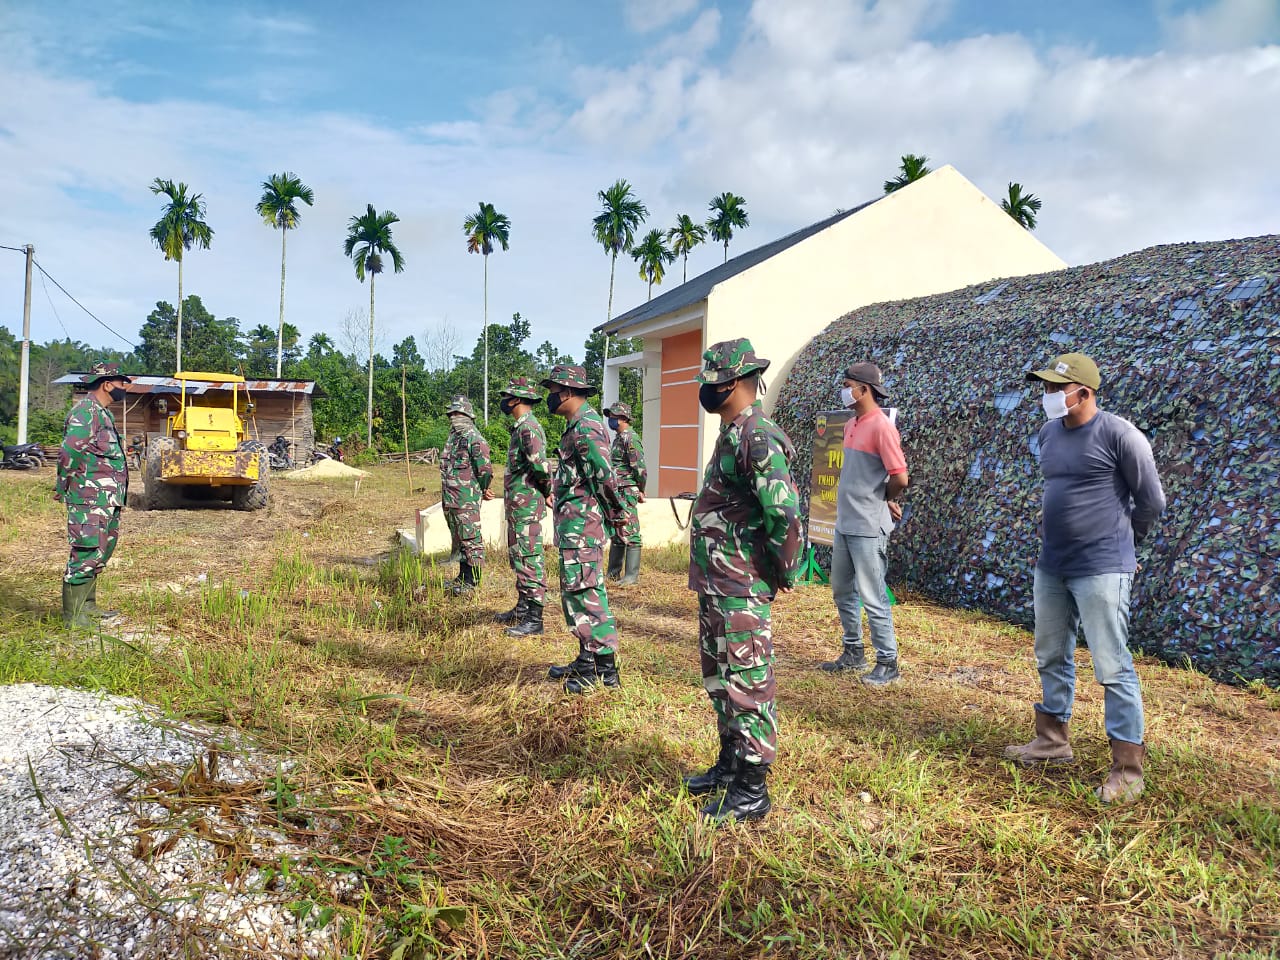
(326, 470)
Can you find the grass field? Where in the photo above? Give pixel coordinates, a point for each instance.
(488, 814)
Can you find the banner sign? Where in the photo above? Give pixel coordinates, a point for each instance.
(828, 458)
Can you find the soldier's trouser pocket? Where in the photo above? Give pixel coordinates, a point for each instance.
(91, 535)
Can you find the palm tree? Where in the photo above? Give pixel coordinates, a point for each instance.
(319, 344)
(653, 256)
(684, 236)
(614, 228)
(278, 208)
(368, 240)
(728, 213)
(912, 169)
(484, 228)
(181, 225)
(1023, 207)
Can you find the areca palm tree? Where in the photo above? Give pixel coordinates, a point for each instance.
(484, 228)
(179, 228)
(368, 241)
(278, 208)
(1023, 207)
(684, 236)
(728, 213)
(911, 170)
(653, 256)
(614, 228)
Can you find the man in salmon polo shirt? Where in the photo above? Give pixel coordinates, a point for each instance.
(872, 477)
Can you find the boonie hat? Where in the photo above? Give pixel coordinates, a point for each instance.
(567, 375)
(619, 410)
(1070, 368)
(104, 371)
(522, 388)
(729, 360)
(868, 373)
(461, 404)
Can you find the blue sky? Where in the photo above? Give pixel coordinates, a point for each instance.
(1127, 118)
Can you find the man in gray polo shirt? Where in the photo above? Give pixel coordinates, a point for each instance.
(1102, 495)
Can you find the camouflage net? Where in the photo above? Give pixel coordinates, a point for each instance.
(1186, 339)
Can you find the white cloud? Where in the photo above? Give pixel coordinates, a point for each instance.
(1223, 25)
(647, 15)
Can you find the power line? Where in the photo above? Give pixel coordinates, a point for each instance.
(14, 249)
(45, 287)
(82, 306)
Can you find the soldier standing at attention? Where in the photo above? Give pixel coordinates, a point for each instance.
(526, 486)
(93, 482)
(465, 475)
(627, 457)
(744, 548)
(586, 499)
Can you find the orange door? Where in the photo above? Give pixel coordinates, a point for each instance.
(678, 467)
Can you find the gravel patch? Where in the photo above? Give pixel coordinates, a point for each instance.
(125, 835)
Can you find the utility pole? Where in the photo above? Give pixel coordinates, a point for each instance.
(24, 368)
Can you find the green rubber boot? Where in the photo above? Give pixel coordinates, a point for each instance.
(74, 597)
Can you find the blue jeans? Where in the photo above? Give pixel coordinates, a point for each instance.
(1099, 604)
(857, 576)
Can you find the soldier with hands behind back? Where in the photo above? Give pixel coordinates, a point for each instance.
(744, 548)
(465, 475)
(93, 483)
(627, 457)
(526, 486)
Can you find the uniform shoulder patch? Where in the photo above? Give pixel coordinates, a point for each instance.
(760, 449)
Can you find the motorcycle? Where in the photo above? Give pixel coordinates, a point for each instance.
(278, 454)
(331, 452)
(23, 456)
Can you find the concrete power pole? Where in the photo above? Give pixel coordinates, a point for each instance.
(24, 374)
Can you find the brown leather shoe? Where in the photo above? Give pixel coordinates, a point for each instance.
(1050, 744)
(1124, 782)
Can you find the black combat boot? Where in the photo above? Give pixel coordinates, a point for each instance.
(604, 671)
(882, 674)
(747, 797)
(530, 625)
(718, 776)
(614, 570)
(468, 580)
(516, 614)
(584, 664)
(853, 657)
(632, 574)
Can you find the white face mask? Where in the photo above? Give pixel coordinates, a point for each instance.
(1055, 404)
(846, 396)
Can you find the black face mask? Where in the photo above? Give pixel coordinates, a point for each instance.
(711, 398)
(506, 405)
(116, 394)
(553, 401)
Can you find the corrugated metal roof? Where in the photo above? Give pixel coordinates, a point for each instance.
(145, 384)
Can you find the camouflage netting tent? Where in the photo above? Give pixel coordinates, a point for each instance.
(1187, 339)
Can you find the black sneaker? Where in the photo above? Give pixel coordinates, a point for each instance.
(852, 658)
(883, 674)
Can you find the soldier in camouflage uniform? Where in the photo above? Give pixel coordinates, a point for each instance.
(465, 475)
(93, 482)
(744, 548)
(526, 486)
(627, 457)
(587, 509)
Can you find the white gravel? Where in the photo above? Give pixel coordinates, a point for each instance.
(142, 872)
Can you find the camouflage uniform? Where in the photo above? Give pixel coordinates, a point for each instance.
(744, 545)
(465, 473)
(93, 482)
(627, 459)
(525, 489)
(586, 503)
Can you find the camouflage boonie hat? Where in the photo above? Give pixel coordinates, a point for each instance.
(620, 410)
(461, 404)
(729, 360)
(567, 375)
(522, 388)
(105, 371)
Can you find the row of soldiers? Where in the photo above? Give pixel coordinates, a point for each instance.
(745, 539)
